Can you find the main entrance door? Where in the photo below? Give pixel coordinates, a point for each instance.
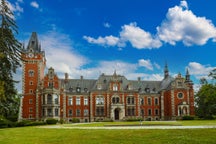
(117, 113)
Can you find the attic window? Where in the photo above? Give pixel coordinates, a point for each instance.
(78, 89)
(147, 90)
(105, 80)
(85, 89)
(71, 89)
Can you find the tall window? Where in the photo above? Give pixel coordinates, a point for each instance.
(85, 101)
(131, 111)
(100, 111)
(156, 101)
(115, 87)
(49, 99)
(31, 73)
(70, 112)
(56, 98)
(142, 112)
(99, 100)
(149, 112)
(149, 101)
(78, 112)
(49, 112)
(56, 112)
(142, 101)
(70, 101)
(156, 112)
(86, 112)
(130, 100)
(78, 101)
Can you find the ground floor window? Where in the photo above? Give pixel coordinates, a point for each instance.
(100, 111)
(131, 111)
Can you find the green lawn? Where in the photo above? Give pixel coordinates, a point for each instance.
(35, 135)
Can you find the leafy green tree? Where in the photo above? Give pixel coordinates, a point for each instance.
(206, 101)
(10, 59)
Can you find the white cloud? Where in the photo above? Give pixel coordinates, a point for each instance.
(34, 4)
(157, 65)
(138, 38)
(199, 70)
(182, 25)
(107, 25)
(60, 53)
(146, 63)
(105, 41)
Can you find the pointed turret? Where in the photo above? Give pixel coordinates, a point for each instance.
(33, 44)
(187, 76)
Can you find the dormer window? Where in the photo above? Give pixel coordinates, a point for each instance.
(147, 90)
(99, 86)
(115, 87)
(78, 89)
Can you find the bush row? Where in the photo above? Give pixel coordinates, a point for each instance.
(4, 123)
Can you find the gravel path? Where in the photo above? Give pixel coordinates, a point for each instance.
(131, 127)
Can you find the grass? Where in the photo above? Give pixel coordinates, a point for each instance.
(35, 135)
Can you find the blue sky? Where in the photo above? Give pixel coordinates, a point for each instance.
(134, 37)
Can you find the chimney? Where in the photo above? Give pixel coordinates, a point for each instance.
(66, 76)
(139, 78)
(81, 77)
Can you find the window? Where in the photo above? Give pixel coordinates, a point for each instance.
(50, 84)
(99, 86)
(56, 111)
(30, 101)
(49, 99)
(156, 101)
(78, 112)
(31, 83)
(56, 98)
(70, 112)
(99, 100)
(78, 101)
(149, 101)
(156, 112)
(49, 112)
(142, 112)
(180, 95)
(70, 101)
(130, 100)
(115, 87)
(78, 89)
(131, 111)
(43, 112)
(31, 91)
(100, 111)
(149, 112)
(180, 84)
(85, 101)
(115, 100)
(31, 73)
(86, 112)
(30, 110)
(142, 101)
(30, 116)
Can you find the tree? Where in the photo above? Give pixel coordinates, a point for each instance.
(206, 101)
(10, 59)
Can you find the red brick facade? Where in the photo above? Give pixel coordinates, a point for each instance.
(108, 97)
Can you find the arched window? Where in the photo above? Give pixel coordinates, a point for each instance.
(31, 73)
(115, 100)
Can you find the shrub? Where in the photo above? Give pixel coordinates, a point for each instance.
(22, 123)
(51, 121)
(134, 119)
(75, 120)
(187, 118)
(3, 123)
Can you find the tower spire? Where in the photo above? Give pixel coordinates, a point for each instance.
(166, 70)
(33, 43)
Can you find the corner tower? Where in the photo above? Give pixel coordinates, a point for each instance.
(33, 72)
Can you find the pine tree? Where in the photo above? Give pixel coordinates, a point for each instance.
(10, 59)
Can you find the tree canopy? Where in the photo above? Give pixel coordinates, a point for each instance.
(10, 59)
(206, 98)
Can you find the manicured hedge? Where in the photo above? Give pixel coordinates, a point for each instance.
(51, 121)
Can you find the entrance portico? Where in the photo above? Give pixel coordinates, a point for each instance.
(117, 112)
